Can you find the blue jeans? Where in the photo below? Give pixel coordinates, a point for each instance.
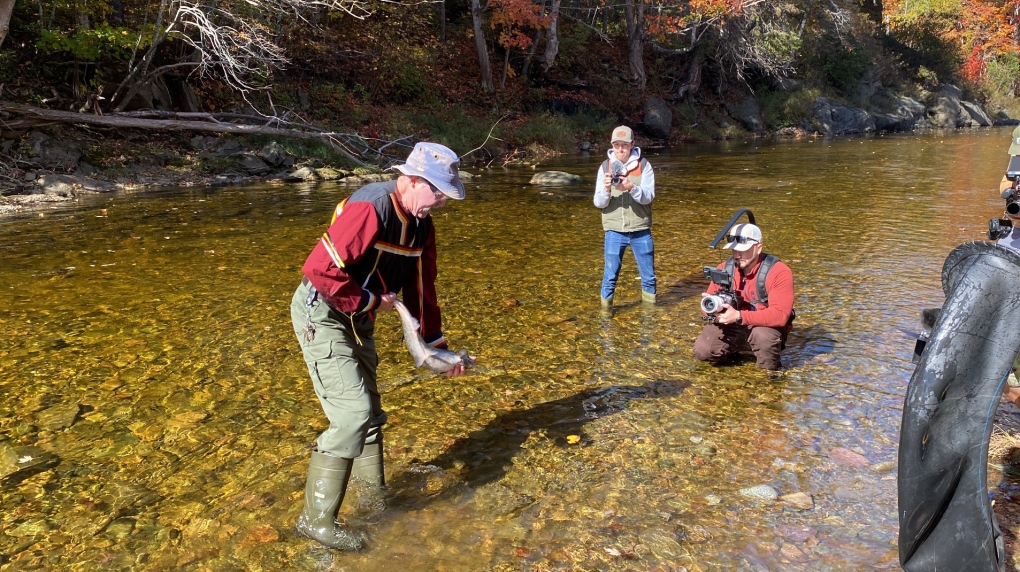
(644, 253)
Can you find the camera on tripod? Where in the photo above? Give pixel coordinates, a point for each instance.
(713, 304)
(1002, 227)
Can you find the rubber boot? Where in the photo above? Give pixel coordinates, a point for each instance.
(324, 492)
(606, 306)
(368, 467)
(648, 298)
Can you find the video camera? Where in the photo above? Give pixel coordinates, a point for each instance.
(616, 172)
(1001, 227)
(713, 304)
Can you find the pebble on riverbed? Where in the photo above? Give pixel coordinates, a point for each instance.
(760, 492)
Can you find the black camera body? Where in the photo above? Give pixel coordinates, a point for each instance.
(617, 178)
(713, 304)
(1002, 227)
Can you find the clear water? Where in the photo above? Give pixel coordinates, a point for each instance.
(580, 443)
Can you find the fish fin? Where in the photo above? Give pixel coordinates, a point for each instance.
(418, 361)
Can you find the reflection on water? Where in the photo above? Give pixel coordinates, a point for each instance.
(149, 376)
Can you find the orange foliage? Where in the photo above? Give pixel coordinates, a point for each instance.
(667, 17)
(513, 19)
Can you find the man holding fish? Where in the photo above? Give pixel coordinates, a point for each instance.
(381, 241)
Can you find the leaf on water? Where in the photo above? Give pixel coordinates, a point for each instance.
(573, 439)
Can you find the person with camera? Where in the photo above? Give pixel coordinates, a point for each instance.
(754, 309)
(381, 241)
(624, 189)
(1011, 237)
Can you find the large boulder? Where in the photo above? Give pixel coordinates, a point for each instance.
(951, 111)
(658, 119)
(835, 119)
(903, 114)
(53, 154)
(748, 114)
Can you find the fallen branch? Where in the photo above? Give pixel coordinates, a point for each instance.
(29, 116)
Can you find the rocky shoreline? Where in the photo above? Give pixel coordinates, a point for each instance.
(57, 171)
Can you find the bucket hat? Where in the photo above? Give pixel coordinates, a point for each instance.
(1014, 144)
(436, 164)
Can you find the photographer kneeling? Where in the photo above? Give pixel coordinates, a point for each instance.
(763, 315)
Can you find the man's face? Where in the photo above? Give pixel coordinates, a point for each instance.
(622, 150)
(748, 257)
(426, 197)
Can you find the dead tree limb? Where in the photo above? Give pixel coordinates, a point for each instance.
(344, 143)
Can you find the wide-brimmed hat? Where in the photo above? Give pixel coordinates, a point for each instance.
(1014, 144)
(436, 164)
(623, 133)
(742, 237)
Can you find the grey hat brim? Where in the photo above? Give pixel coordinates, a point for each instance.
(455, 191)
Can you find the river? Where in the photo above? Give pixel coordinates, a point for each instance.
(149, 367)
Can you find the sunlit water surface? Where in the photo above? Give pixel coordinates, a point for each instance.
(149, 364)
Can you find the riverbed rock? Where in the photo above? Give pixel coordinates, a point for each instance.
(17, 463)
(555, 178)
(948, 111)
(760, 493)
(60, 416)
(798, 501)
(658, 119)
(848, 458)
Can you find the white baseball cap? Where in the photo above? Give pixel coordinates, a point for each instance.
(742, 237)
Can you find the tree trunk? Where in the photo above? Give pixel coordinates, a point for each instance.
(552, 45)
(6, 7)
(483, 51)
(534, 45)
(442, 20)
(635, 13)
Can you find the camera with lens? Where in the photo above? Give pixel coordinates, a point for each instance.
(713, 304)
(617, 178)
(1001, 227)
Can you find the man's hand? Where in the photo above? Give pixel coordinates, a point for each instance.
(728, 316)
(459, 368)
(386, 302)
(607, 182)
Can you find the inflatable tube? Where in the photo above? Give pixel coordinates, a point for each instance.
(946, 520)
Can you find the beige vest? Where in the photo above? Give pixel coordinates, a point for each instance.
(623, 213)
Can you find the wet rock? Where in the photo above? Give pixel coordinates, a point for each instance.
(798, 501)
(58, 417)
(127, 499)
(760, 492)
(302, 174)
(555, 178)
(883, 467)
(465, 176)
(31, 527)
(17, 463)
(367, 178)
(848, 458)
(328, 174)
(56, 185)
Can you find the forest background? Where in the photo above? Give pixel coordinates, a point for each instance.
(495, 79)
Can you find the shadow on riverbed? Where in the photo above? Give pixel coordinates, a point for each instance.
(484, 456)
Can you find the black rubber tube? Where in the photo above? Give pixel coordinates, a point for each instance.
(946, 520)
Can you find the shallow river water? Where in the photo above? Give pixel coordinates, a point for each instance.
(149, 368)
